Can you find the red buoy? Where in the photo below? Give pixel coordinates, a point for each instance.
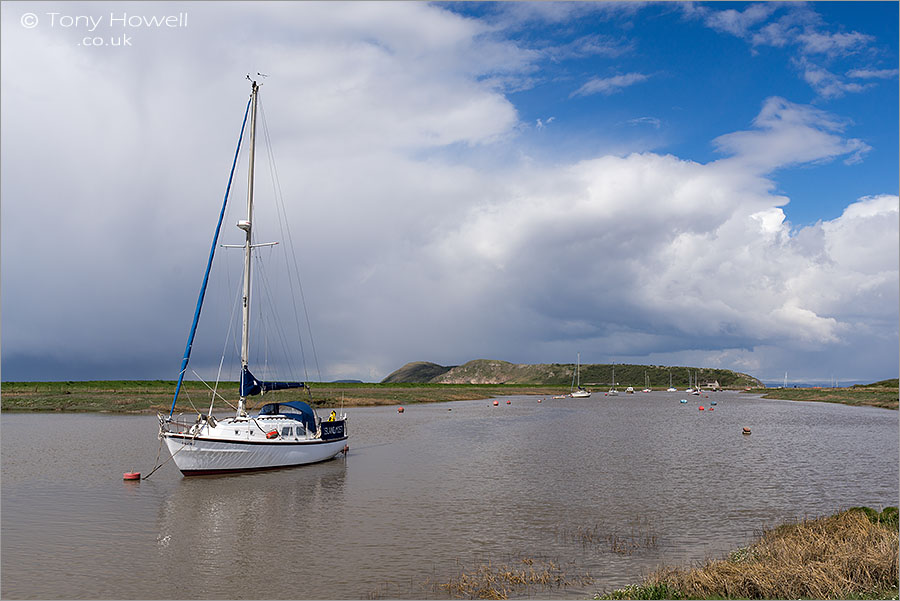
(399, 409)
(131, 476)
(508, 402)
(496, 403)
(701, 407)
(539, 400)
(271, 434)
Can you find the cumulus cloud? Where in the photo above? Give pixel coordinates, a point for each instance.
(413, 240)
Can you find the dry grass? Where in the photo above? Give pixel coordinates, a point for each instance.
(847, 555)
(490, 581)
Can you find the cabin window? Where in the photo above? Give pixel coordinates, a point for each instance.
(286, 431)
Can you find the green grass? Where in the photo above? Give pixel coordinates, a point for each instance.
(872, 395)
(156, 395)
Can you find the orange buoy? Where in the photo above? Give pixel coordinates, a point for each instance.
(131, 476)
(496, 403)
(399, 409)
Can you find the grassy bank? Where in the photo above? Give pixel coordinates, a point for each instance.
(151, 396)
(156, 395)
(881, 394)
(849, 555)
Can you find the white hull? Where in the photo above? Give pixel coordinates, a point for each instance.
(244, 444)
(580, 394)
(197, 456)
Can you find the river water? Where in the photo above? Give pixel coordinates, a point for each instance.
(601, 490)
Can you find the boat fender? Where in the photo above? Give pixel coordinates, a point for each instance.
(131, 476)
(272, 434)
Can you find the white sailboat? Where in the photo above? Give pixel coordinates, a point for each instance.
(282, 434)
(613, 391)
(647, 383)
(579, 392)
(671, 388)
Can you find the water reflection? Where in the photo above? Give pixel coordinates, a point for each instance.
(251, 527)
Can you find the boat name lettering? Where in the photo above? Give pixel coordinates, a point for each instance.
(333, 430)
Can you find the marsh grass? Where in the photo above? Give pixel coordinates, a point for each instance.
(638, 536)
(883, 394)
(850, 555)
(499, 581)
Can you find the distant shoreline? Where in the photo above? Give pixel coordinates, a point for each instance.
(151, 396)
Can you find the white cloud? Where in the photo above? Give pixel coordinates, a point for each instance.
(789, 134)
(873, 73)
(652, 121)
(609, 85)
(826, 83)
(414, 241)
(739, 22)
(814, 42)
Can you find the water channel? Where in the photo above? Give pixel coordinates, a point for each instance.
(601, 489)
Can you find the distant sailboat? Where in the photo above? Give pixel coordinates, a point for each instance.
(613, 391)
(646, 383)
(579, 392)
(671, 388)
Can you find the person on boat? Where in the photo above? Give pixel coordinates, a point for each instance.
(332, 417)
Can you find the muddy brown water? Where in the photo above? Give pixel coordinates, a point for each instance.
(604, 489)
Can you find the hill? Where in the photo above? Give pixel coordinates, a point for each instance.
(489, 371)
(417, 372)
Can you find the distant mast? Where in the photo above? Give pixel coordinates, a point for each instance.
(246, 226)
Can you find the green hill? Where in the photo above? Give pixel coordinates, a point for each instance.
(489, 371)
(417, 372)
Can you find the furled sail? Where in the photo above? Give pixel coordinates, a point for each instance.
(251, 386)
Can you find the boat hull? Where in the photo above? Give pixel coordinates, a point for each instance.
(197, 456)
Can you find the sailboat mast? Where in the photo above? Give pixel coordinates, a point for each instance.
(246, 226)
(577, 371)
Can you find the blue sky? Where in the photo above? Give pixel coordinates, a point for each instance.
(671, 183)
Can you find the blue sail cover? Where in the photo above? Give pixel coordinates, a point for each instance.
(251, 386)
(301, 412)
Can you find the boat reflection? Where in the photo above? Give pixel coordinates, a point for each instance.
(215, 530)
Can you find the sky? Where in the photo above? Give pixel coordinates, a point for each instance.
(703, 184)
